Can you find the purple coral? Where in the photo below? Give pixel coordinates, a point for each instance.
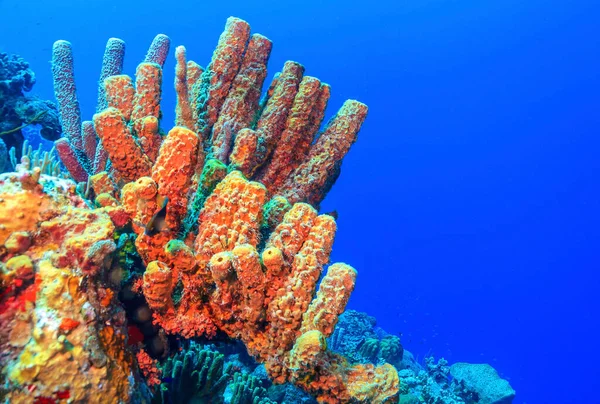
(15, 75)
(65, 92)
(159, 50)
(112, 65)
(70, 159)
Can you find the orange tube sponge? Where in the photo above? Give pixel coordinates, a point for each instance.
(244, 156)
(139, 106)
(302, 123)
(242, 101)
(250, 268)
(148, 80)
(193, 73)
(272, 119)
(183, 112)
(148, 135)
(231, 216)
(220, 73)
(287, 239)
(314, 177)
(139, 200)
(285, 311)
(158, 285)
(120, 92)
(238, 299)
(263, 298)
(290, 234)
(173, 172)
(331, 300)
(128, 160)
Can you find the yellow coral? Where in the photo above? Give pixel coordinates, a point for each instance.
(66, 240)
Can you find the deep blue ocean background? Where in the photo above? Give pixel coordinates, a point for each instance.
(470, 204)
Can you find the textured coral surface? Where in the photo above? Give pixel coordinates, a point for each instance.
(56, 337)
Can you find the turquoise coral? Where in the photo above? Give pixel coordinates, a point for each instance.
(193, 375)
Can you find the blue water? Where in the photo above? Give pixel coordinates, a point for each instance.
(470, 204)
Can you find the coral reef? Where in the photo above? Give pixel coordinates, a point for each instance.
(207, 231)
(224, 205)
(18, 110)
(484, 381)
(357, 338)
(432, 385)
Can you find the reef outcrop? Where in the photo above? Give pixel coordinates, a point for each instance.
(224, 206)
(61, 329)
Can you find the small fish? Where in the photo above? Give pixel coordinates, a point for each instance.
(157, 221)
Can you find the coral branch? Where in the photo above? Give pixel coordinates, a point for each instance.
(69, 158)
(331, 300)
(173, 171)
(183, 112)
(66, 93)
(242, 101)
(298, 135)
(126, 156)
(314, 177)
(159, 50)
(148, 79)
(90, 140)
(112, 65)
(119, 93)
(216, 80)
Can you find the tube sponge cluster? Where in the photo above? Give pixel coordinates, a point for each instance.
(81, 149)
(225, 205)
